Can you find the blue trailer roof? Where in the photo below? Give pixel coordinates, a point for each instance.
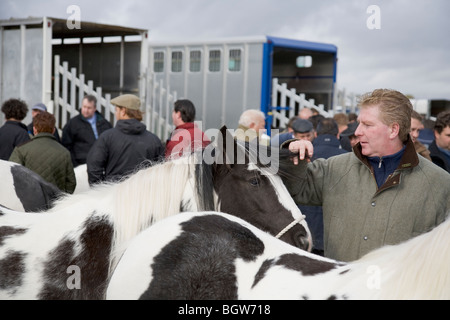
(304, 45)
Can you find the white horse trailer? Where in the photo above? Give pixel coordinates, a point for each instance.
(111, 59)
(46, 60)
(224, 77)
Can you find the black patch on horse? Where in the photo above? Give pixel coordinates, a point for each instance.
(34, 192)
(12, 268)
(10, 231)
(200, 262)
(92, 261)
(205, 186)
(306, 265)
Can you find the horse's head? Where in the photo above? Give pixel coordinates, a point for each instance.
(248, 185)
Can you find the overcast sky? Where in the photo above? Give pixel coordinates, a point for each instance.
(410, 52)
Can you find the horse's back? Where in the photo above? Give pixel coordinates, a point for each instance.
(25, 190)
(197, 256)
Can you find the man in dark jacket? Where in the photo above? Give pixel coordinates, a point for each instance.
(440, 147)
(122, 150)
(80, 133)
(13, 132)
(45, 156)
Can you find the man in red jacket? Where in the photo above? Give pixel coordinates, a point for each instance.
(186, 137)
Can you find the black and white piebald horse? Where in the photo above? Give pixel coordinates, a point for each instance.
(24, 190)
(87, 232)
(218, 256)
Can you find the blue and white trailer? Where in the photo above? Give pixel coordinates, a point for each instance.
(224, 77)
(43, 60)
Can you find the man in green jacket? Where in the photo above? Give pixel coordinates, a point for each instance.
(382, 193)
(45, 156)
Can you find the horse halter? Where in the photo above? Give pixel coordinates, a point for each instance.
(293, 223)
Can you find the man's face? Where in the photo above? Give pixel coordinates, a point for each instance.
(416, 126)
(176, 118)
(443, 138)
(304, 136)
(259, 125)
(88, 108)
(373, 134)
(353, 140)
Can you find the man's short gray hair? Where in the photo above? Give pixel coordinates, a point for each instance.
(251, 116)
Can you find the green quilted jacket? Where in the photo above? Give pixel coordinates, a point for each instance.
(48, 158)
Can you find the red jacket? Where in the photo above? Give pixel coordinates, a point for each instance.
(185, 139)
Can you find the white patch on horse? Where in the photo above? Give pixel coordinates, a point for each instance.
(82, 179)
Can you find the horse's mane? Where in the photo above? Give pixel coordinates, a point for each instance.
(150, 195)
(416, 269)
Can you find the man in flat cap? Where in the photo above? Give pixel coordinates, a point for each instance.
(298, 129)
(127, 147)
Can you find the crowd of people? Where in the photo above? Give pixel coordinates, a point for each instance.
(364, 180)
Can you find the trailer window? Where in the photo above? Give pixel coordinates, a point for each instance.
(304, 62)
(158, 62)
(177, 60)
(195, 61)
(234, 63)
(214, 60)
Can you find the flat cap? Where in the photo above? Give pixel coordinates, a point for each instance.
(128, 101)
(302, 126)
(39, 106)
(350, 131)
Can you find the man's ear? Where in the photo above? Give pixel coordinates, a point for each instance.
(395, 130)
(229, 150)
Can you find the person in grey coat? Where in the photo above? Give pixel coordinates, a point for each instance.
(380, 194)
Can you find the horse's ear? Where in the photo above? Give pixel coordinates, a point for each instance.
(232, 153)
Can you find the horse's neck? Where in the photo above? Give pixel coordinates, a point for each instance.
(148, 196)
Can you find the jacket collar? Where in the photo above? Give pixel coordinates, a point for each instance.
(187, 125)
(409, 159)
(17, 123)
(42, 135)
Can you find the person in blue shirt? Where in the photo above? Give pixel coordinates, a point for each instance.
(80, 133)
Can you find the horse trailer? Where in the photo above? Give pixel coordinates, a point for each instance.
(224, 77)
(110, 57)
(48, 60)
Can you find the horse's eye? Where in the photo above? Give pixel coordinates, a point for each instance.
(254, 182)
